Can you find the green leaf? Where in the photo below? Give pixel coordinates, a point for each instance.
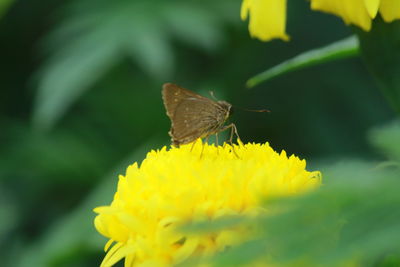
(69, 75)
(352, 219)
(152, 51)
(380, 49)
(4, 5)
(182, 19)
(97, 35)
(214, 226)
(249, 251)
(338, 50)
(75, 231)
(387, 140)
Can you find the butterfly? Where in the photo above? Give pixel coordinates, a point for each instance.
(194, 116)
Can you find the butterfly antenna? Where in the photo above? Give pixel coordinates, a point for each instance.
(253, 110)
(212, 95)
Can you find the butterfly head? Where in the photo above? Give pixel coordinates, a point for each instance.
(227, 107)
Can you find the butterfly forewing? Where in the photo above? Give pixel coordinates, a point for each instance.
(173, 95)
(192, 116)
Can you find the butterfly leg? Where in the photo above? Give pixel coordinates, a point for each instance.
(233, 131)
(216, 141)
(233, 128)
(193, 145)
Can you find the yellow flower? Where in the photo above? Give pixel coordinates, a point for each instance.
(360, 12)
(179, 186)
(267, 18)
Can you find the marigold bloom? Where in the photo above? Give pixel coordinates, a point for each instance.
(360, 12)
(267, 18)
(177, 186)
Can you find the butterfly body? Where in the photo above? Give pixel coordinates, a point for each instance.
(192, 115)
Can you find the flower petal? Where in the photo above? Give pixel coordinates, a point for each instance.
(352, 11)
(177, 186)
(244, 11)
(116, 253)
(372, 7)
(390, 10)
(267, 18)
(108, 245)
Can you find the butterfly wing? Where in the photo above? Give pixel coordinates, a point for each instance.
(192, 116)
(173, 95)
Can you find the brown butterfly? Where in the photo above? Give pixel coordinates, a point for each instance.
(194, 116)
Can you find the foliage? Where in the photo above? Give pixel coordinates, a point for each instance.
(352, 219)
(92, 40)
(90, 73)
(339, 50)
(380, 49)
(4, 5)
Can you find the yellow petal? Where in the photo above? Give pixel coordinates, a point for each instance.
(267, 18)
(244, 11)
(186, 250)
(178, 186)
(116, 253)
(352, 11)
(372, 7)
(390, 10)
(108, 245)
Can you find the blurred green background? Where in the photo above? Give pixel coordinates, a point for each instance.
(80, 99)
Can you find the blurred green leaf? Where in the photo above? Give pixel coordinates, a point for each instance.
(380, 49)
(338, 50)
(208, 34)
(349, 220)
(4, 5)
(387, 140)
(70, 74)
(352, 219)
(76, 230)
(8, 213)
(99, 34)
(218, 225)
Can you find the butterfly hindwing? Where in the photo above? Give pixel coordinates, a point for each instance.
(192, 116)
